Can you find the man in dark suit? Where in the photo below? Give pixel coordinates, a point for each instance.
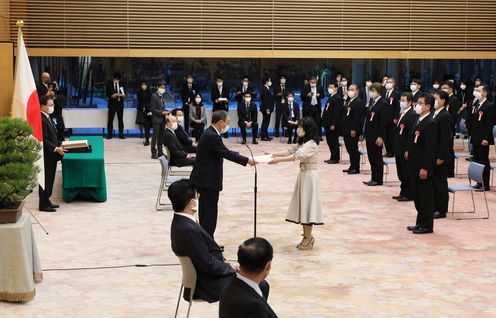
(116, 95)
(178, 156)
(266, 108)
(365, 92)
(188, 91)
(52, 152)
(331, 118)
(280, 92)
(406, 122)
(416, 88)
(376, 120)
(244, 296)
(444, 145)
(188, 238)
(343, 85)
(248, 117)
(188, 144)
(453, 107)
(243, 88)
(220, 98)
(42, 86)
(311, 96)
(352, 125)
(482, 136)
(157, 108)
(421, 151)
(392, 98)
(290, 117)
(207, 173)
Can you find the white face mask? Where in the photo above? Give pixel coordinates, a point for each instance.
(180, 119)
(435, 86)
(477, 83)
(418, 109)
(283, 81)
(389, 86)
(436, 104)
(313, 85)
(245, 83)
(195, 209)
(463, 87)
(161, 91)
(344, 84)
(269, 83)
(477, 94)
(248, 100)
(189, 80)
(446, 90)
(290, 99)
(351, 94)
(403, 105)
(331, 91)
(373, 95)
(224, 130)
(300, 132)
(219, 84)
(198, 100)
(413, 87)
(50, 110)
(384, 83)
(143, 87)
(368, 84)
(174, 126)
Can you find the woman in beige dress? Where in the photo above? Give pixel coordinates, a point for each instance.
(305, 207)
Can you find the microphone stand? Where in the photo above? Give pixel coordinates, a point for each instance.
(254, 195)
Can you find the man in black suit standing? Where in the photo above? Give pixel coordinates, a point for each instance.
(453, 107)
(52, 152)
(266, 108)
(248, 117)
(415, 87)
(243, 88)
(290, 117)
(406, 122)
(220, 98)
(207, 173)
(444, 145)
(157, 108)
(188, 238)
(376, 120)
(280, 92)
(116, 95)
(42, 86)
(311, 96)
(331, 118)
(392, 97)
(421, 151)
(482, 131)
(188, 91)
(352, 125)
(178, 156)
(243, 297)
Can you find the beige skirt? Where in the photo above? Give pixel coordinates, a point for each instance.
(305, 206)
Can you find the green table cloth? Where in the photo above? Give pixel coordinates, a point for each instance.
(83, 174)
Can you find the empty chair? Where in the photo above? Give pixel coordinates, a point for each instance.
(462, 154)
(165, 181)
(387, 162)
(188, 281)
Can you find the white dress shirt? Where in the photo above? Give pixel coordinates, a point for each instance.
(186, 215)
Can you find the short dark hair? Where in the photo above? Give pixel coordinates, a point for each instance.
(247, 93)
(484, 87)
(116, 75)
(449, 84)
(377, 87)
(245, 77)
(417, 80)
(266, 79)
(254, 254)
(44, 100)
(175, 110)
(181, 193)
(428, 98)
(189, 75)
(199, 95)
(219, 77)
(310, 128)
(443, 95)
(282, 76)
(160, 83)
(313, 78)
(408, 96)
(333, 83)
(218, 115)
(290, 93)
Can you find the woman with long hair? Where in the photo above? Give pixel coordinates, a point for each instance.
(305, 207)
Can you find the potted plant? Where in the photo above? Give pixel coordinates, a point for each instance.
(18, 173)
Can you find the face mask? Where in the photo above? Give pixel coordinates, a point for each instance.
(368, 84)
(418, 109)
(373, 94)
(436, 104)
(477, 83)
(403, 105)
(219, 84)
(384, 83)
(477, 94)
(451, 80)
(300, 132)
(180, 119)
(50, 109)
(283, 81)
(344, 84)
(197, 207)
(463, 87)
(269, 83)
(143, 87)
(446, 90)
(331, 91)
(313, 85)
(248, 100)
(435, 86)
(338, 79)
(224, 130)
(189, 80)
(161, 91)
(290, 99)
(245, 83)
(198, 100)
(389, 86)
(174, 126)
(413, 87)
(351, 94)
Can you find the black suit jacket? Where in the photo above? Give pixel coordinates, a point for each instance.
(333, 111)
(175, 147)
(376, 120)
(210, 154)
(115, 102)
(286, 114)
(454, 105)
(266, 100)
(250, 115)
(240, 94)
(402, 131)
(278, 90)
(41, 89)
(422, 147)
(184, 139)
(482, 123)
(239, 300)
(50, 140)
(415, 98)
(157, 106)
(215, 94)
(188, 238)
(444, 129)
(144, 98)
(394, 103)
(307, 100)
(353, 117)
(187, 95)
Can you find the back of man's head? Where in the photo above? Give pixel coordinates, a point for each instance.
(219, 115)
(180, 194)
(254, 254)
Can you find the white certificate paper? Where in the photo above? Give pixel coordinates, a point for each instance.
(263, 158)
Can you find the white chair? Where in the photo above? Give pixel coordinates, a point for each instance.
(188, 281)
(387, 162)
(177, 171)
(165, 181)
(475, 171)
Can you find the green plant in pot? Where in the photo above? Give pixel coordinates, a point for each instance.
(18, 172)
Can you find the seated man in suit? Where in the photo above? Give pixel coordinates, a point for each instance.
(248, 117)
(178, 156)
(244, 295)
(188, 238)
(290, 117)
(188, 144)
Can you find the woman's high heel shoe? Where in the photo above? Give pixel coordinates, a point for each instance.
(308, 246)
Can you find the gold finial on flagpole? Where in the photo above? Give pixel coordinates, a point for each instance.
(20, 24)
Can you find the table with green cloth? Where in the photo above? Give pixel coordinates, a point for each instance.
(83, 174)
